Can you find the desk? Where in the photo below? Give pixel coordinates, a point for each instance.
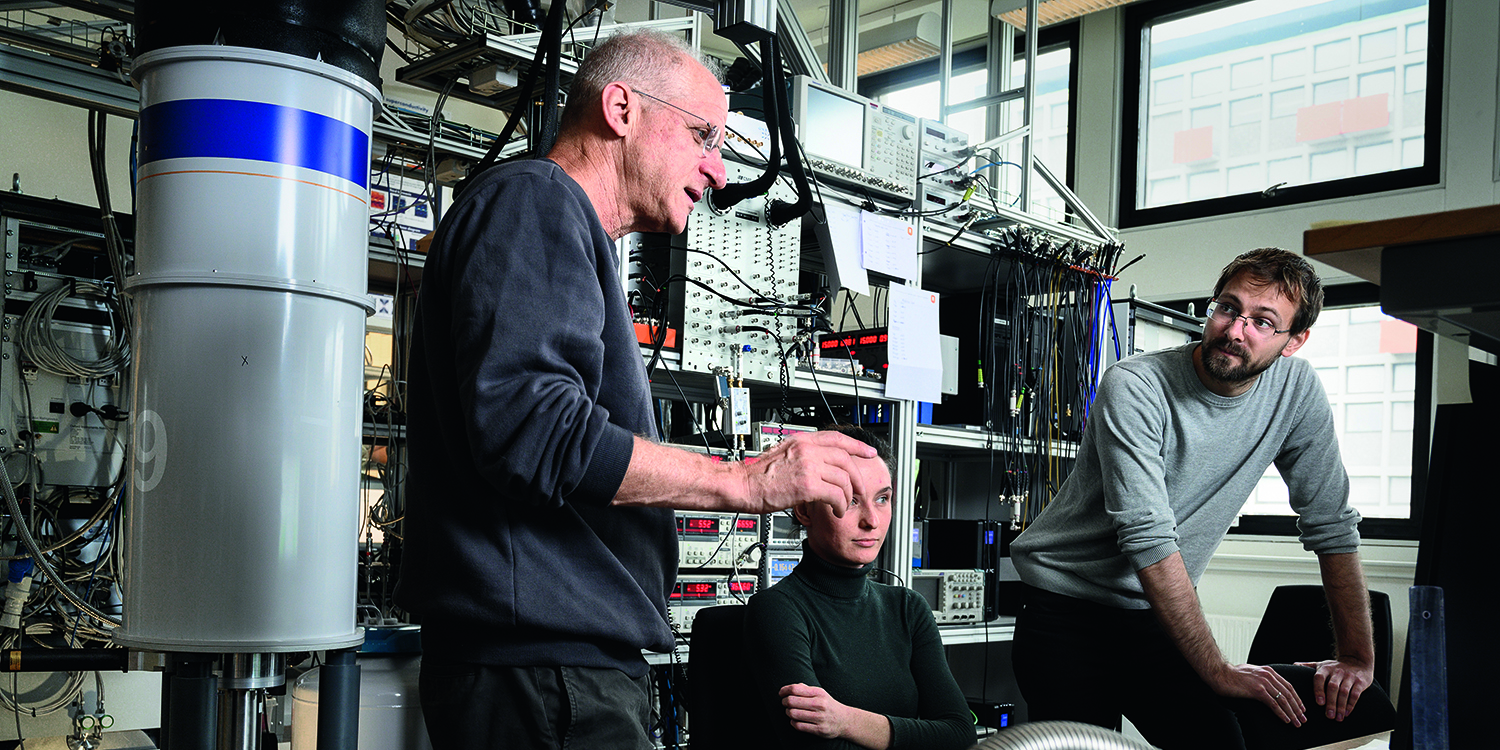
(1434, 270)
(1379, 741)
(1000, 629)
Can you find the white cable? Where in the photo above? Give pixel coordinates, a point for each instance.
(42, 347)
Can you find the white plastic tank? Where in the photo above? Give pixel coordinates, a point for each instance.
(390, 709)
(249, 308)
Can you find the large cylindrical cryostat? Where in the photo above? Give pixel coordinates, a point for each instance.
(249, 308)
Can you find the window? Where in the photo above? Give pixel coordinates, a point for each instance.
(1248, 73)
(1416, 37)
(1416, 78)
(1206, 117)
(1330, 92)
(1378, 45)
(1244, 111)
(1368, 364)
(1290, 64)
(914, 89)
(1286, 103)
(1336, 88)
(1205, 183)
(1168, 189)
(1374, 158)
(1246, 178)
(922, 100)
(1286, 171)
(1049, 125)
(1169, 90)
(1411, 152)
(1208, 82)
(1245, 132)
(1379, 82)
(1330, 165)
(1331, 56)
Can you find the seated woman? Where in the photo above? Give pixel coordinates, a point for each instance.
(840, 661)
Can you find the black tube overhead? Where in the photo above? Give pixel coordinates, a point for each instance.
(348, 34)
(781, 213)
(723, 199)
(552, 83)
(338, 701)
(528, 12)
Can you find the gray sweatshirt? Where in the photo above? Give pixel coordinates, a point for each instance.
(1165, 466)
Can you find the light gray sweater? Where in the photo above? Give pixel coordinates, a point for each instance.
(1165, 466)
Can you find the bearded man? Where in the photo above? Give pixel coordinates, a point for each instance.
(1176, 442)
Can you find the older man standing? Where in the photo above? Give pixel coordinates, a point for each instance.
(540, 543)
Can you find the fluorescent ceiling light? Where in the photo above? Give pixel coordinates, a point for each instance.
(1013, 12)
(905, 41)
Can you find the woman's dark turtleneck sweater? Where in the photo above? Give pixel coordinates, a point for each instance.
(837, 581)
(871, 646)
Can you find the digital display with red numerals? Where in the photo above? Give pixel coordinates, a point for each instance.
(868, 339)
(742, 587)
(695, 590)
(698, 525)
(746, 524)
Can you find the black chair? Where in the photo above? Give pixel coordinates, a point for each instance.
(723, 710)
(1297, 626)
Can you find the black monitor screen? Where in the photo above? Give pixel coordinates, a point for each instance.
(927, 587)
(833, 127)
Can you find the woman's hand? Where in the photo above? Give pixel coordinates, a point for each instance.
(812, 710)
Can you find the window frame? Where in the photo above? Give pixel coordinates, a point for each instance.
(1357, 295)
(1141, 14)
(1051, 38)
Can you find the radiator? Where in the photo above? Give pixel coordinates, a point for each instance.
(1234, 635)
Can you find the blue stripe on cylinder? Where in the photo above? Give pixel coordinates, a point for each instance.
(232, 129)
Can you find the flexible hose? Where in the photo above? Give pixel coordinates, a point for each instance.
(1059, 735)
(723, 199)
(36, 553)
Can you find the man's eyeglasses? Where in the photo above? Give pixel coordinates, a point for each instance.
(1226, 314)
(709, 136)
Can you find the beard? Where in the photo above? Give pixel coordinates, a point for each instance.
(1237, 369)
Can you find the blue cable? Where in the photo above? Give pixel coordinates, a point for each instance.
(996, 164)
(1093, 362)
(1113, 329)
(114, 516)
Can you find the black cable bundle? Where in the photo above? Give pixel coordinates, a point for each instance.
(1040, 381)
(548, 54)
